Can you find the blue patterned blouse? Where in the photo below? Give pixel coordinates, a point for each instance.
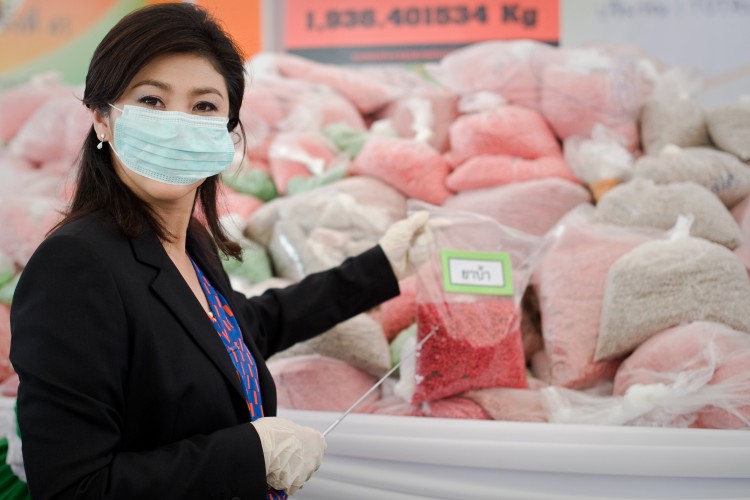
(242, 359)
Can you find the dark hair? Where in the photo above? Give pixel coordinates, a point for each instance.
(137, 39)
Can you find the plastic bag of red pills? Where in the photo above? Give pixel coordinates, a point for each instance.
(469, 292)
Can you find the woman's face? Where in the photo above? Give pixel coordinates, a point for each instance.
(174, 82)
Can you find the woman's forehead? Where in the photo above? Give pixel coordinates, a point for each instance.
(179, 73)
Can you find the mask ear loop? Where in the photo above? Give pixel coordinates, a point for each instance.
(111, 126)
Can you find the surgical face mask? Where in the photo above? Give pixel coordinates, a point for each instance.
(170, 146)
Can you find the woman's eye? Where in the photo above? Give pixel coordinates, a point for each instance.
(205, 106)
(150, 100)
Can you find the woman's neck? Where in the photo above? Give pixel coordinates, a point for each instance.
(176, 223)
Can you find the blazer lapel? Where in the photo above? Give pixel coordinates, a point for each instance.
(172, 289)
(219, 281)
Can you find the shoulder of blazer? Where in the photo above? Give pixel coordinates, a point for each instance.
(101, 233)
(96, 229)
(96, 222)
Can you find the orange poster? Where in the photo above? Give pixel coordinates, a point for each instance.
(41, 36)
(242, 18)
(359, 26)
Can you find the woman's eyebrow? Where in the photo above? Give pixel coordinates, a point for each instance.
(207, 90)
(154, 83)
(198, 91)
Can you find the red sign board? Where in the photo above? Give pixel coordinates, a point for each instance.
(357, 25)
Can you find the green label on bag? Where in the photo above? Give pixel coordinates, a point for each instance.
(480, 273)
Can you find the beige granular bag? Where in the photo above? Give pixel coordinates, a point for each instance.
(729, 127)
(672, 121)
(641, 202)
(722, 173)
(359, 341)
(663, 283)
(671, 116)
(741, 213)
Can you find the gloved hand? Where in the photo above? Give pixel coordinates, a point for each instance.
(407, 241)
(292, 452)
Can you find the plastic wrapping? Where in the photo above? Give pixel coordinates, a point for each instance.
(720, 172)
(62, 118)
(671, 115)
(400, 312)
(699, 352)
(570, 282)
(729, 127)
(359, 341)
(693, 375)
(517, 405)
(413, 168)
(493, 170)
(641, 202)
(583, 87)
(314, 382)
(455, 407)
(252, 179)
(318, 229)
(273, 103)
(504, 130)
(600, 160)
(424, 115)
(533, 207)
(407, 371)
(26, 220)
(20, 102)
(511, 68)
(397, 346)
(368, 94)
(255, 266)
(470, 290)
(18, 176)
(665, 282)
(301, 154)
(741, 213)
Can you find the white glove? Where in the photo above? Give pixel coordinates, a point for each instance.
(292, 452)
(407, 241)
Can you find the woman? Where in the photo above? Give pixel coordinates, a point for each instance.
(142, 373)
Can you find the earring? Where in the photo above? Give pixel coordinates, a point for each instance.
(101, 137)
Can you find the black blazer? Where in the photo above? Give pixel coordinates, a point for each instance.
(126, 391)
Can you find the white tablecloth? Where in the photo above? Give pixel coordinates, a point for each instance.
(373, 457)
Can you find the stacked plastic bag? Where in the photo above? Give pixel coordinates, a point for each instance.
(622, 203)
